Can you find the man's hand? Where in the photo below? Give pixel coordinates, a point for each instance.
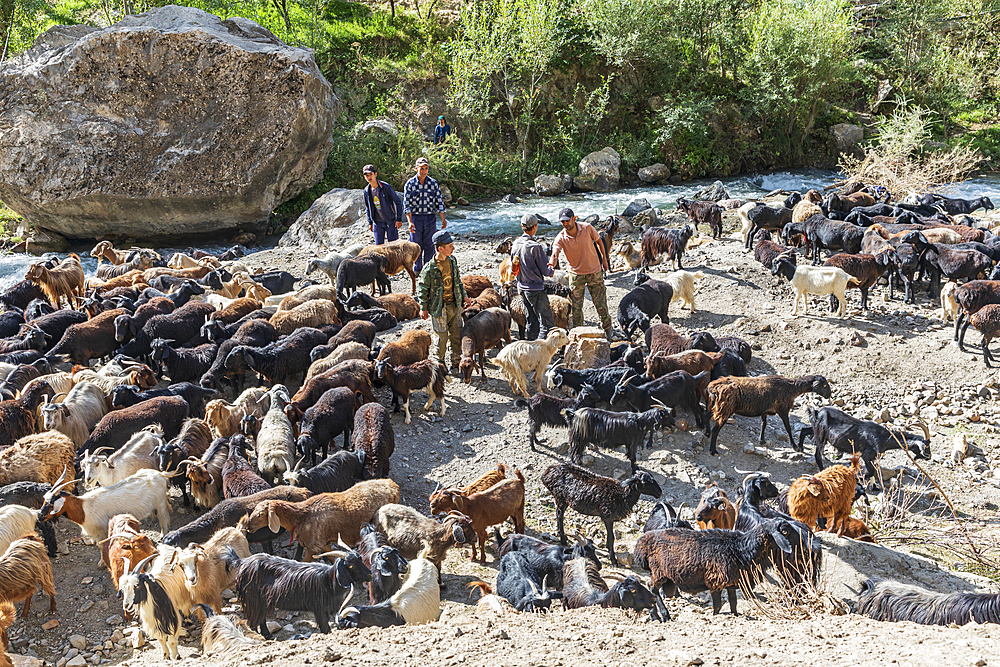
(467, 302)
(424, 314)
(413, 230)
(399, 223)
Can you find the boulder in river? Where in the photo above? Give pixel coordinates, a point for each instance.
(654, 173)
(599, 171)
(170, 122)
(715, 192)
(635, 207)
(548, 185)
(334, 217)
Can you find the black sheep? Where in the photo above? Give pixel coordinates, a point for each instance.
(380, 317)
(650, 299)
(731, 364)
(115, 428)
(337, 472)
(11, 320)
(953, 206)
(29, 338)
(547, 410)
(355, 272)
(127, 326)
(183, 365)
(179, 326)
(594, 495)
(328, 417)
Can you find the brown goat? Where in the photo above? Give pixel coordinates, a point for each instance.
(442, 503)
(326, 517)
(475, 285)
(493, 506)
(399, 256)
(828, 493)
(488, 298)
(8, 614)
(715, 509)
(124, 280)
(355, 374)
(659, 364)
(401, 306)
(23, 567)
(124, 541)
(104, 250)
(413, 346)
(235, 310)
(65, 280)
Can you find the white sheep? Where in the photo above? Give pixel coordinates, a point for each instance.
(276, 441)
(804, 210)
(78, 412)
(523, 356)
(206, 574)
(682, 282)
(314, 313)
(16, 521)
(331, 262)
(819, 280)
(949, 306)
(133, 456)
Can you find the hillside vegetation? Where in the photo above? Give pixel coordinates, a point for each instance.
(709, 87)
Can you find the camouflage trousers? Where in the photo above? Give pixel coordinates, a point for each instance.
(594, 282)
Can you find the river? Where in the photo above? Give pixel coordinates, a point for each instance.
(502, 218)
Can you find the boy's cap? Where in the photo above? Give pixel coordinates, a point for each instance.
(528, 223)
(440, 117)
(442, 237)
(422, 161)
(368, 169)
(565, 214)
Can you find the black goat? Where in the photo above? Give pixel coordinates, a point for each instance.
(337, 472)
(387, 567)
(663, 516)
(731, 364)
(663, 241)
(711, 560)
(178, 326)
(584, 587)
(517, 583)
(11, 321)
(826, 234)
(254, 333)
(707, 212)
(954, 206)
(279, 360)
(182, 365)
(265, 583)
(593, 426)
(127, 395)
(672, 390)
(330, 416)
(594, 495)
(771, 218)
(544, 560)
(602, 380)
(55, 324)
(276, 282)
(546, 410)
(893, 601)
(179, 297)
(20, 294)
(848, 434)
(637, 308)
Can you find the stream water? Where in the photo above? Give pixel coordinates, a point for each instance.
(502, 218)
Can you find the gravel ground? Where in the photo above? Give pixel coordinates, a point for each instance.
(891, 363)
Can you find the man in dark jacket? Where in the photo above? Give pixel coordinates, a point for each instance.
(384, 207)
(532, 264)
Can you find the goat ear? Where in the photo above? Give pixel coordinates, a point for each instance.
(272, 520)
(813, 490)
(458, 534)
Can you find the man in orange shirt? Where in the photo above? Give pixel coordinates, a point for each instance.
(584, 253)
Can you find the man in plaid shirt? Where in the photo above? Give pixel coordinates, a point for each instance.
(421, 201)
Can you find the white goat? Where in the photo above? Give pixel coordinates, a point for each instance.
(77, 414)
(159, 616)
(276, 441)
(224, 418)
(181, 261)
(331, 262)
(746, 224)
(289, 301)
(949, 306)
(221, 634)
(133, 456)
(142, 495)
(16, 521)
(204, 570)
(417, 601)
(523, 356)
(819, 280)
(682, 283)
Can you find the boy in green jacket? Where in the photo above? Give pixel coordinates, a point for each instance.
(440, 292)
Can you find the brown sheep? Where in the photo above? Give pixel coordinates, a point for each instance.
(442, 503)
(349, 350)
(488, 298)
(413, 346)
(487, 329)
(829, 493)
(664, 338)
(715, 509)
(399, 256)
(493, 506)
(236, 310)
(313, 313)
(355, 374)
(474, 285)
(41, 458)
(659, 364)
(125, 280)
(326, 517)
(65, 280)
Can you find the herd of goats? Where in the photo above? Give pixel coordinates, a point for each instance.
(111, 392)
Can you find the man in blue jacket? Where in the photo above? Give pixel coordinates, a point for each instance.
(441, 131)
(384, 206)
(532, 264)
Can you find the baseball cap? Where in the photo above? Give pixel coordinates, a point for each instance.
(442, 237)
(440, 117)
(369, 169)
(528, 223)
(565, 214)
(422, 161)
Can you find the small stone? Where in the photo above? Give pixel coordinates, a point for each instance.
(87, 606)
(981, 662)
(331, 655)
(459, 632)
(48, 625)
(86, 581)
(77, 661)
(72, 653)
(273, 626)
(587, 460)
(563, 448)
(78, 642)
(61, 662)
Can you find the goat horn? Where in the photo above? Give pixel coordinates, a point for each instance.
(341, 543)
(128, 565)
(923, 427)
(346, 600)
(336, 553)
(614, 575)
(142, 564)
(299, 463)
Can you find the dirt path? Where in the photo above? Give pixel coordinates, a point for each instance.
(895, 358)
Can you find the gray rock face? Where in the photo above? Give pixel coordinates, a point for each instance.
(715, 192)
(599, 171)
(378, 125)
(549, 185)
(654, 173)
(333, 217)
(167, 123)
(635, 207)
(845, 138)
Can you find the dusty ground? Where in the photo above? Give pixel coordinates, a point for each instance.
(903, 362)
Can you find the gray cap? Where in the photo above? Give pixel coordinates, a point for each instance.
(566, 214)
(442, 237)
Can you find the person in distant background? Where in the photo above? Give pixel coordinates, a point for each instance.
(441, 131)
(384, 207)
(422, 199)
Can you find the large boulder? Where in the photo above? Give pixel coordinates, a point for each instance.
(587, 348)
(167, 123)
(548, 185)
(845, 138)
(334, 217)
(382, 125)
(635, 207)
(599, 171)
(715, 192)
(654, 173)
